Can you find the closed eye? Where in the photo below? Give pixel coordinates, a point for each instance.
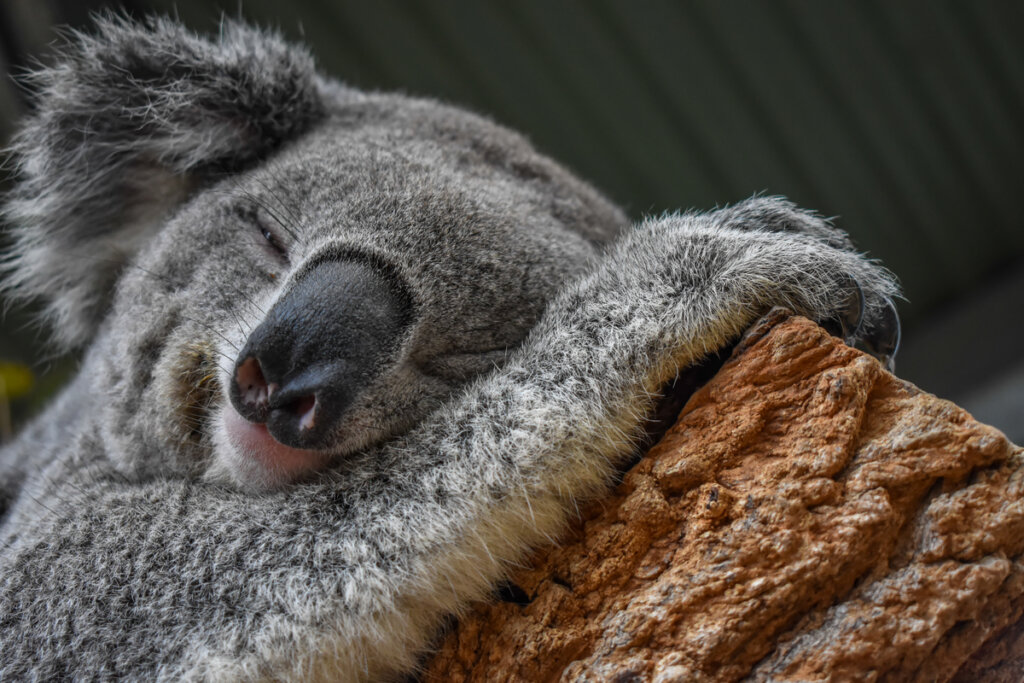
(463, 366)
(273, 241)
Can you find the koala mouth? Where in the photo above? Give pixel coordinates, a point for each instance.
(252, 421)
(271, 462)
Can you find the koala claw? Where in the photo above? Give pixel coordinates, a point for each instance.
(881, 338)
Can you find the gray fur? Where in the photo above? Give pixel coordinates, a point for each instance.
(138, 542)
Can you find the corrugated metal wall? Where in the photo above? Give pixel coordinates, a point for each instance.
(905, 119)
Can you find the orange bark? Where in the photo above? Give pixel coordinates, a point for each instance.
(810, 517)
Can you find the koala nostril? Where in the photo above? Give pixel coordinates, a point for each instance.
(303, 409)
(295, 416)
(254, 391)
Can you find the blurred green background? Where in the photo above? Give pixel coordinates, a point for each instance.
(904, 119)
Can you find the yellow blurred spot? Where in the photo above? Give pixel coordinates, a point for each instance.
(16, 380)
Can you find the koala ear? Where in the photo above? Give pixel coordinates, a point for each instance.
(127, 121)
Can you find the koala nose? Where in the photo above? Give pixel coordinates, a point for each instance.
(317, 349)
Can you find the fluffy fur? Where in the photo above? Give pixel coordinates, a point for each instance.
(139, 541)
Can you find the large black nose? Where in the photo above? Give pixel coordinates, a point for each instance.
(319, 346)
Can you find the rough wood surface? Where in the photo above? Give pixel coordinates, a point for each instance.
(810, 517)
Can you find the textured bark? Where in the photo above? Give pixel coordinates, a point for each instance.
(810, 517)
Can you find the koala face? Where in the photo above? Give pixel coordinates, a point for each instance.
(329, 296)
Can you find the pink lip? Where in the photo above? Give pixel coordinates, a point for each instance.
(278, 461)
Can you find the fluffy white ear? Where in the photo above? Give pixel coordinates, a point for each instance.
(128, 120)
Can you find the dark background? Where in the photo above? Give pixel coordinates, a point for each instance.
(904, 119)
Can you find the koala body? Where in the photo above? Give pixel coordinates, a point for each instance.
(347, 356)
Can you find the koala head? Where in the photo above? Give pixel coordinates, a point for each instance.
(270, 270)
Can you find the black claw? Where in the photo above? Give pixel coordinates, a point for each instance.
(879, 337)
(882, 340)
(887, 335)
(854, 313)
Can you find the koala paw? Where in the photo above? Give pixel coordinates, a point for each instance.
(867, 319)
(880, 336)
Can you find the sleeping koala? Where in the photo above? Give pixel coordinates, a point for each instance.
(347, 356)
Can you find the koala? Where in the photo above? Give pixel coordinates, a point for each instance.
(346, 356)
